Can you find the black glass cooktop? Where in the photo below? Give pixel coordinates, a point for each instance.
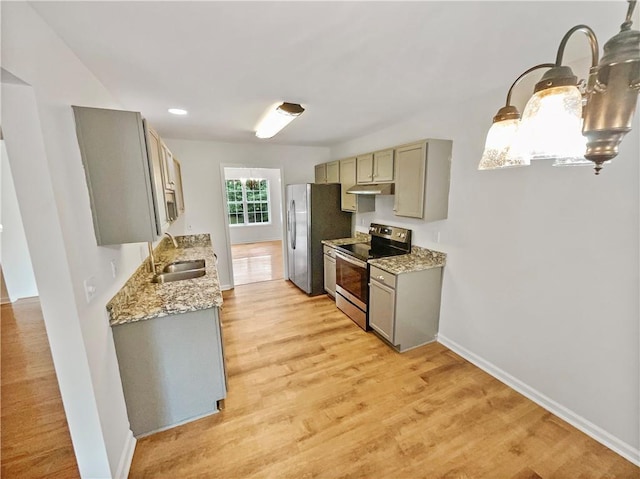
(364, 251)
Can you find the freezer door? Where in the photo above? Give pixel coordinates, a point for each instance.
(290, 233)
(301, 235)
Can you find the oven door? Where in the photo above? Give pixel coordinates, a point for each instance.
(352, 278)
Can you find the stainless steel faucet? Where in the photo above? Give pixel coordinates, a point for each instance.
(152, 262)
(173, 240)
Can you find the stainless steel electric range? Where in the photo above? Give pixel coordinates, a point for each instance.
(352, 269)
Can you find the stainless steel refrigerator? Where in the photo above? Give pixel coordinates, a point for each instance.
(313, 214)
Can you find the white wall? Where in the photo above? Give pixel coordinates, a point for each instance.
(541, 282)
(255, 233)
(202, 179)
(14, 254)
(39, 132)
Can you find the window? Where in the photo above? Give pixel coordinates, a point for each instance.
(248, 201)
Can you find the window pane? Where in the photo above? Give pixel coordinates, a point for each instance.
(265, 217)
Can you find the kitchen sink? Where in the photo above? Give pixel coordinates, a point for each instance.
(167, 277)
(183, 266)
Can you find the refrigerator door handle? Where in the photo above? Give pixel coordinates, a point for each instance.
(295, 226)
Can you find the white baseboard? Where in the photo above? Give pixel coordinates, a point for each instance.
(225, 287)
(126, 457)
(603, 437)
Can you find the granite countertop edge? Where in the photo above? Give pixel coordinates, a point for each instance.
(419, 259)
(140, 299)
(357, 238)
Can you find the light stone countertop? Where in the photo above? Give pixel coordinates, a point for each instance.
(419, 259)
(140, 299)
(358, 238)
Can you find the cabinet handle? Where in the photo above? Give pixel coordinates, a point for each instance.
(380, 277)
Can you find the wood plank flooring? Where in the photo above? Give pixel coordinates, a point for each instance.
(35, 436)
(256, 262)
(313, 396)
(4, 294)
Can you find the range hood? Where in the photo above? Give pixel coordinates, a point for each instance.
(376, 189)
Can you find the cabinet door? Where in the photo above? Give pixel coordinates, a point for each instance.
(333, 172)
(119, 173)
(410, 170)
(179, 190)
(383, 166)
(347, 180)
(330, 275)
(321, 173)
(155, 157)
(168, 168)
(382, 300)
(364, 168)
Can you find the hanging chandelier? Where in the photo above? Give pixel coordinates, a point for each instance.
(572, 122)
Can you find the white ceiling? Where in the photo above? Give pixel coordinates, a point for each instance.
(354, 66)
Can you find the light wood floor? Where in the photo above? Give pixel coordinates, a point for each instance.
(4, 294)
(35, 436)
(256, 262)
(313, 396)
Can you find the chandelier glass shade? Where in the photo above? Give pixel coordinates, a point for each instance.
(497, 148)
(551, 126)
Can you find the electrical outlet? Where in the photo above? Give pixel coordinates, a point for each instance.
(114, 268)
(90, 288)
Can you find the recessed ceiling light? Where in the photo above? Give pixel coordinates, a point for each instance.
(177, 111)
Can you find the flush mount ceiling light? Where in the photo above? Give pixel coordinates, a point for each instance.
(569, 121)
(276, 118)
(177, 111)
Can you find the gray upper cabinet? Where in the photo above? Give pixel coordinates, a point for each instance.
(422, 176)
(122, 177)
(351, 202)
(155, 153)
(333, 172)
(327, 172)
(347, 180)
(179, 190)
(375, 167)
(364, 168)
(383, 166)
(321, 173)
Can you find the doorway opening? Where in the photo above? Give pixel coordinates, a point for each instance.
(35, 436)
(254, 219)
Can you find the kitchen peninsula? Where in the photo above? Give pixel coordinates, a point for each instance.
(168, 340)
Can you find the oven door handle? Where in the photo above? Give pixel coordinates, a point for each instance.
(353, 261)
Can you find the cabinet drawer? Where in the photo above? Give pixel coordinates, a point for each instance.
(383, 277)
(329, 251)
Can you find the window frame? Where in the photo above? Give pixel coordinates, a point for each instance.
(245, 202)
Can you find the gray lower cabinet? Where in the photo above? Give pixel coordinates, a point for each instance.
(329, 270)
(404, 309)
(172, 369)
